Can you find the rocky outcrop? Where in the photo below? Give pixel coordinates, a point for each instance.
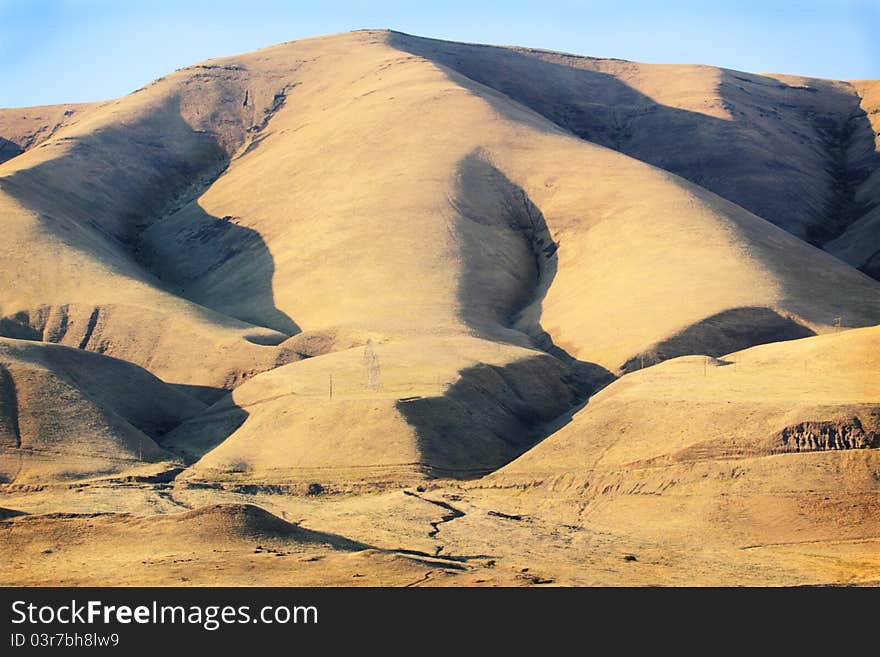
(823, 436)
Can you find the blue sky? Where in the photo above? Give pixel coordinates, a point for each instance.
(54, 51)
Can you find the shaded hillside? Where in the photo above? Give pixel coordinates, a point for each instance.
(67, 413)
(795, 151)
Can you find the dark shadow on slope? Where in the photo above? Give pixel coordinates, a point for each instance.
(196, 436)
(816, 124)
(18, 327)
(206, 394)
(117, 387)
(493, 414)
(489, 416)
(107, 188)
(10, 432)
(197, 253)
(871, 266)
(750, 162)
(501, 224)
(724, 333)
(8, 150)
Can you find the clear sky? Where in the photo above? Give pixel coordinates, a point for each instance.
(54, 51)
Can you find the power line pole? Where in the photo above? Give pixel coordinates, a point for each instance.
(371, 364)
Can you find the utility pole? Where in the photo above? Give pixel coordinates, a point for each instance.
(371, 365)
(331, 385)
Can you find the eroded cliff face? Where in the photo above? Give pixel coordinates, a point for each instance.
(821, 436)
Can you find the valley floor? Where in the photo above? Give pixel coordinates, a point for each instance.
(116, 533)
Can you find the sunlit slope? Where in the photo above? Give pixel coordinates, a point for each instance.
(66, 413)
(245, 542)
(23, 128)
(90, 297)
(693, 408)
(436, 406)
(771, 446)
(398, 198)
(71, 209)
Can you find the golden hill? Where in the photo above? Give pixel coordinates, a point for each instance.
(67, 413)
(372, 259)
(798, 152)
(346, 187)
(772, 449)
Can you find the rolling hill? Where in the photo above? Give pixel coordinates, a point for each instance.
(373, 260)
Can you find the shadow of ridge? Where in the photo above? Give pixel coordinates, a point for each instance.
(501, 222)
(739, 160)
(206, 394)
(106, 211)
(490, 415)
(871, 266)
(723, 333)
(196, 253)
(844, 149)
(20, 327)
(198, 435)
(493, 414)
(9, 150)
